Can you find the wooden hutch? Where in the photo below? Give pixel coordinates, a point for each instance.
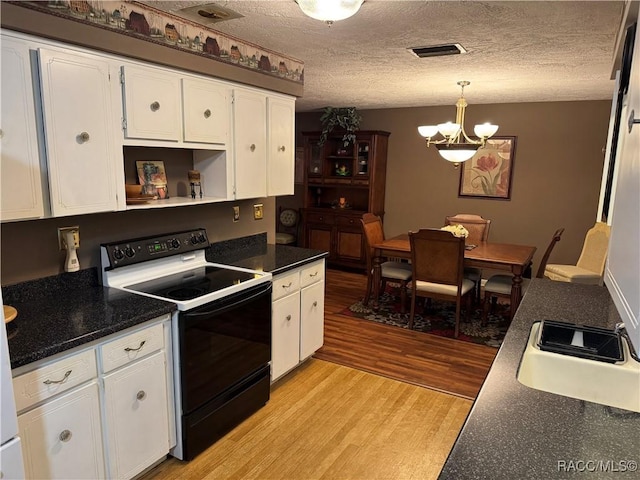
(354, 174)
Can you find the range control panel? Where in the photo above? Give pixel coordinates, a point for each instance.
(129, 252)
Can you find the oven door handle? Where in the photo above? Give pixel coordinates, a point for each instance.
(227, 306)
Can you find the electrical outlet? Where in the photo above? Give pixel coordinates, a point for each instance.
(62, 244)
(236, 214)
(257, 212)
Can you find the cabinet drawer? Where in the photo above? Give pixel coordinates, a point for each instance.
(312, 274)
(286, 284)
(348, 221)
(135, 345)
(55, 378)
(320, 218)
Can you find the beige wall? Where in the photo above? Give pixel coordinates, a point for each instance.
(556, 179)
(30, 248)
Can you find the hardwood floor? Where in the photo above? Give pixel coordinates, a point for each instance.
(327, 421)
(439, 363)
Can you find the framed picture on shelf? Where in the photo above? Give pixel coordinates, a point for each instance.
(488, 174)
(152, 177)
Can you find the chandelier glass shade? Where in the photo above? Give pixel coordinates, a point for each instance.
(329, 11)
(456, 146)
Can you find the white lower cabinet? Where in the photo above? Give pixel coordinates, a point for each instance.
(104, 412)
(297, 317)
(63, 437)
(136, 416)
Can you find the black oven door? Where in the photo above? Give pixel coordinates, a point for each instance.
(223, 343)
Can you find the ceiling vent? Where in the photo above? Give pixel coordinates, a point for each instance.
(438, 50)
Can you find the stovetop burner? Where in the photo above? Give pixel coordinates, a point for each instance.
(192, 283)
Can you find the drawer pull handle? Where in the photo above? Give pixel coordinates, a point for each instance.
(286, 286)
(129, 349)
(288, 318)
(313, 274)
(281, 149)
(141, 395)
(155, 106)
(252, 147)
(207, 113)
(83, 137)
(65, 436)
(315, 304)
(51, 382)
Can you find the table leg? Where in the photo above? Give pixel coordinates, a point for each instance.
(516, 291)
(377, 277)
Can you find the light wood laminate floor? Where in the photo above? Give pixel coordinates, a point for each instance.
(327, 421)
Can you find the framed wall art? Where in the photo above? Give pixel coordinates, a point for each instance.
(488, 174)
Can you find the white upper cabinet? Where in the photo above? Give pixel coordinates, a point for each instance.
(152, 107)
(250, 143)
(206, 106)
(281, 154)
(79, 132)
(20, 174)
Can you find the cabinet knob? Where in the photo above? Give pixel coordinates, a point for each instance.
(51, 382)
(252, 147)
(83, 137)
(155, 106)
(65, 436)
(281, 149)
(288, 317)
(129, 349)
(632, 120)
(207, 113)
(315, 304)
(141, 395)
(1, 133)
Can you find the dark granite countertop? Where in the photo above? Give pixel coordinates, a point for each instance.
(514, 431)
(275, 259)
(59, 313)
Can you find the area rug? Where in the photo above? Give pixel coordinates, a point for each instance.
(438, 318)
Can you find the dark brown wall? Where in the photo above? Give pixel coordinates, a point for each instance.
(556, 180)
(30, 248)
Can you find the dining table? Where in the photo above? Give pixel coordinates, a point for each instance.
(499, 256)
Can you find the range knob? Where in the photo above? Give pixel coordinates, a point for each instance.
(201, 238)
(175, 243)
(194, 240)
(130, 252)
(118, 254)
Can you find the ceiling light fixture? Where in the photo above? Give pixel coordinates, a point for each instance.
(456, 146)
(329, 11)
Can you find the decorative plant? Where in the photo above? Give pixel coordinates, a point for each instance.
(344, 117)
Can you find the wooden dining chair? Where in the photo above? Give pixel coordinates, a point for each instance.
(478, 229)
(499, 286)
(590, 266)
(390, 270)
(437, 258)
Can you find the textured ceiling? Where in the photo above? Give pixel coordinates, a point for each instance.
(536, 51)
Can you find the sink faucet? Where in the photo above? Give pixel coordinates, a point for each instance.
(622, 332)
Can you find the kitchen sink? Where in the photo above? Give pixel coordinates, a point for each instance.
(567, 366)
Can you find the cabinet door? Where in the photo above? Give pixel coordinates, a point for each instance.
(281, 155)
(319, 237)
(311, 319)
(79, 130)
(206, 108)
(250, 143)
(151, 104)
(63, 438)
(21, 187)
(285, 337)
(137, 419)
(349, 244)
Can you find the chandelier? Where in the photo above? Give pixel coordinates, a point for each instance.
(456, 146)
(329, 11)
